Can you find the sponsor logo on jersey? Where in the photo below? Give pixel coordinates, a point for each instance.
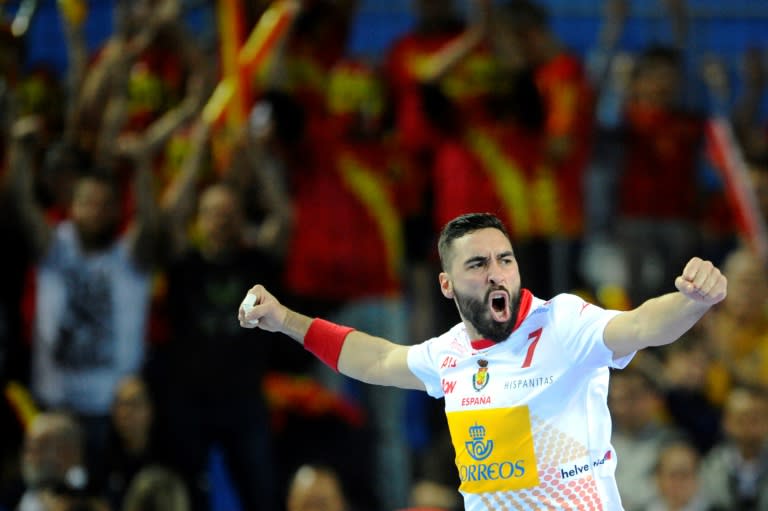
(478, 448)
(581, 468)
(528, 383)
(448, 361)
(494, 449)
(481, 377)
(448, 386)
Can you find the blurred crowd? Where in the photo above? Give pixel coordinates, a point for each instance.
(146, 190)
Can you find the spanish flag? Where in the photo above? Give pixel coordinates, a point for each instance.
(242, 59)
(727, 157)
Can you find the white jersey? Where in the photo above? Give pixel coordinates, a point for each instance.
(528, 417)
(90, 322)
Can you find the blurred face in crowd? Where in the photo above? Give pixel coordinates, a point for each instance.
(631, 401)
(95, 212)
(482, 277)
(314, 489)
(657, 83)
(132, 412)
(677, 475)
(219, 220)
(745, 421)
(687, 367)
(48, 451)
(748, 285)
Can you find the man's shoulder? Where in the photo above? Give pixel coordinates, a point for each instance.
(450, 340)
(559, 304)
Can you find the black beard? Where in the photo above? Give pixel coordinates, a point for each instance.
(477, 313)
(92, 241)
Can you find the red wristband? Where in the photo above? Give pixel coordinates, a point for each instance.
(325, 339)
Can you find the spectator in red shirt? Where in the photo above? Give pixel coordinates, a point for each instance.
(348, 197)
(658, 189)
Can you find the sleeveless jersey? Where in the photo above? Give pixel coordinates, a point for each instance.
(90, 321)
(528, 417)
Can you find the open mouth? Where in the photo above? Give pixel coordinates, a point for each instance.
(498, 304)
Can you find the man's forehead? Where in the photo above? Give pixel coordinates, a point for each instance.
(483, 241)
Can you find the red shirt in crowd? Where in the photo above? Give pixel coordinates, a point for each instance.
(490, 169)
(569, 104)
(659, 172)
(347, 235)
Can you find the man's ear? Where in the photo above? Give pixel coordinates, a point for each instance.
(446, 286)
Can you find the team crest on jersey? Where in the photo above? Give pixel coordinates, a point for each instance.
(481, 377)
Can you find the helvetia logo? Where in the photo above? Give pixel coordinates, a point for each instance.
(481, 377)
(579, 469)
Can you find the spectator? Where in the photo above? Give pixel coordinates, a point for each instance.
(156, 489)
(52, 462)
(211, 385)
(735, 472)
(91, 292)
(410, 66)
(737, 331)
(146, 82)
(678, 484)
(356, 171)
(658, 192)
(638, 435)
(132, 443)
(315, 488)
(684, 369)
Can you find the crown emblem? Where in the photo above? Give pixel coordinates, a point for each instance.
(477, 432)
(477, 448)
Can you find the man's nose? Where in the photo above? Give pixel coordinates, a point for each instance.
(495, 273)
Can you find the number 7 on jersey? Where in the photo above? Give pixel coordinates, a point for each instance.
(535, 335)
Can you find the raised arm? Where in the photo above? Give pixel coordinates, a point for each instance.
(664, 319)
(180, 198)
(355, 354)
(144, 233)
(19, 186)
(438, 65)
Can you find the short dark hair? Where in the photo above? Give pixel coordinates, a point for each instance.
(524, 14)
(463, 225)
(655, 55)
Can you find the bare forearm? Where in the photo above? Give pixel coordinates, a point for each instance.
(363, 357)
(296, 326)
(656, 322)
(664, 319)
(355, 354)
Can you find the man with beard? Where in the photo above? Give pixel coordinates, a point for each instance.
(89, 295)
(525, 380)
